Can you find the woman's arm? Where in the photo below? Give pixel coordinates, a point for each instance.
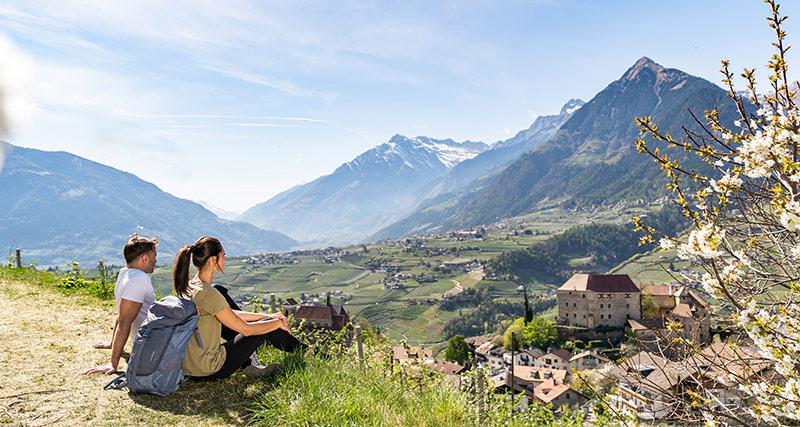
(230, 319)
(249, 316)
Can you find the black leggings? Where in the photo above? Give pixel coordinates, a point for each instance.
(237, 355)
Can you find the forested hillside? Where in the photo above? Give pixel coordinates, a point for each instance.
(594, 247)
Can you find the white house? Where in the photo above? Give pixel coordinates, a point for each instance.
(587, 360)
(554, 359)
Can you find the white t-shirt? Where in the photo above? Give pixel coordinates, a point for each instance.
(134, 285)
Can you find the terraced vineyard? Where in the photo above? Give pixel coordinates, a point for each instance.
(411, 309)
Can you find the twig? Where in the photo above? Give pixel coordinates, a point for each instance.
(33, 392)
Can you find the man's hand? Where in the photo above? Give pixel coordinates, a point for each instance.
(106, 370)
(102, 345)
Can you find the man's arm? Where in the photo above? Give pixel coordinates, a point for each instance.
(105, 345)
(127, 314)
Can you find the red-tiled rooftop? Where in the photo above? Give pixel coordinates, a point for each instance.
(660, 290)
(599, 283)
(315, 313)
(562, 353)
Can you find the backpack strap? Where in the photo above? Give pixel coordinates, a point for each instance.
(197, 331)
(197, 336)
(117, 383)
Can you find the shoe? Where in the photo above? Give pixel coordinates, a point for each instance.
(263, 371)
(255, 362)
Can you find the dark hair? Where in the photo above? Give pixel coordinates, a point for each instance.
(138, 245)
(203, 249)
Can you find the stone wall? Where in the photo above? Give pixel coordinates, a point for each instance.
(592, 309)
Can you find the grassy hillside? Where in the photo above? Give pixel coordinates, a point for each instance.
(45, 342)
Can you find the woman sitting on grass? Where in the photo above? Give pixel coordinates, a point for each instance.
(220, 317)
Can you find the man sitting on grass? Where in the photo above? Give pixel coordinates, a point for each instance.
(133, 295)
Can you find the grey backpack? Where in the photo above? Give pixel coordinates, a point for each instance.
(154, 366)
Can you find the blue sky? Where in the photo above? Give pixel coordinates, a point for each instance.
(233, 102)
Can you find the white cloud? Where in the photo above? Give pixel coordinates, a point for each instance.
(226, 116)
(222, 125)
(270, 82)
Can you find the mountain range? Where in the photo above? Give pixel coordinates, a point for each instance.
(58, 207)
(589, 161)
(389, 182)
(380, 186)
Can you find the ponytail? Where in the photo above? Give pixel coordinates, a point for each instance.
(197, 254)
(180, 276)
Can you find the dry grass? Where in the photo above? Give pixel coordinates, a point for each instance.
(46, 342)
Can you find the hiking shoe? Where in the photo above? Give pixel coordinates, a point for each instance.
(263, 371)
(255, 362)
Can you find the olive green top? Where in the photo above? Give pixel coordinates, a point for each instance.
(208, 359)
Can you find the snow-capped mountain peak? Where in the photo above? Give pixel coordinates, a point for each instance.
(571, 106)
(543, 127)
(421, 149)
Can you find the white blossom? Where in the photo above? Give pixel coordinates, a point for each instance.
(790, 217)
(726, 184)
(710, 284)
(795, 252)
(703, 243)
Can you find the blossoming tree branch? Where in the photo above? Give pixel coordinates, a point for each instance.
(743, 200)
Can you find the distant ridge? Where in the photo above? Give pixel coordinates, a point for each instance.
(59, 207)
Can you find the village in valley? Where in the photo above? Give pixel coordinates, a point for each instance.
(633, 362)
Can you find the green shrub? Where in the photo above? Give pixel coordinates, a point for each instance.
(28, 274)
(70, 282)
(74, 281)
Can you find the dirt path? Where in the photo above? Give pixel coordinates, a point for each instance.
(477, 275)
(46, 341)
(457, 289)
(360, 276)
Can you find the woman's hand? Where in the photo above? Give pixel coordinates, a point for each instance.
(234, 321)
(272, 317)
(285, 324)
